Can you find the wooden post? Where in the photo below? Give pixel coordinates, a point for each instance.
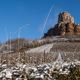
(44, 55)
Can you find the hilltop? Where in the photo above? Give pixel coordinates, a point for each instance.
(65, 26)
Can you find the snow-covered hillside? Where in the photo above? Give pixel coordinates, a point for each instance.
(47, 71)
(41, 49)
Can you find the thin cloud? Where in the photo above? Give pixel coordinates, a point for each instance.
(56, 12)
(47, 18)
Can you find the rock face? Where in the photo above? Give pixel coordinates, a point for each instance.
(65, 26)
(65, 17)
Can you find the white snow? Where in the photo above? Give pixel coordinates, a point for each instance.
(40, 71)
(8, 73)
(41, 49)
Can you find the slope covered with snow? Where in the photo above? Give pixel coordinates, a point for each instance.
(41, 49)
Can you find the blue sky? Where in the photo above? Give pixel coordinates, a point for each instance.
(18, 13)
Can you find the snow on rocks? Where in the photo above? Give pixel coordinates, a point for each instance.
(39, 72)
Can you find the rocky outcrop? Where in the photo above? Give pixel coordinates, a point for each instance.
(65, 26)
(65, 17)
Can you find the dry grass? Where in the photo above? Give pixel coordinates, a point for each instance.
(35, 58)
